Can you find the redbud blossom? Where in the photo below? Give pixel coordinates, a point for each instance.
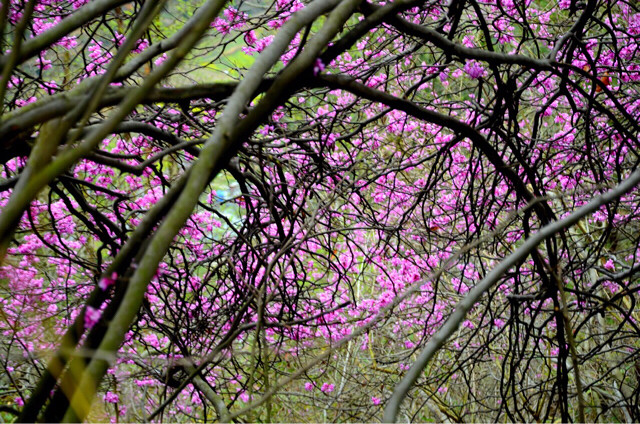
(106, 282)
(473, 69)
(111, 397)
(318, 67)
(327, 388)
(250, 38)
(91, 317)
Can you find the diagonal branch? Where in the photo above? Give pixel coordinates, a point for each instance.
(464, 306)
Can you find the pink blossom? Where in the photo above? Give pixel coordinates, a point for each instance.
(221, 25)
(111, 397)
(160, 59)
(107, 282)
(308, 386)
(610, 265)
(474, 69)
(327, 388)
(91, 317)
(375, 400)
(250, 38)
(318, 67)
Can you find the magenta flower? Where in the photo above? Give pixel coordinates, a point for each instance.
(308, 386)
(111, 397)
(250, 38)
(375, 400)
(91, 317)
(327, 388)
(107, 282)
(473, 69)
(318, 67)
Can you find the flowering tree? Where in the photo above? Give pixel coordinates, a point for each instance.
(326, 210)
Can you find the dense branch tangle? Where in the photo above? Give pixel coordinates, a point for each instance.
(208, 200)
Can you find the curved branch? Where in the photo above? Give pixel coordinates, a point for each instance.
(464, 306)
(80, 17)
(351, 85)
